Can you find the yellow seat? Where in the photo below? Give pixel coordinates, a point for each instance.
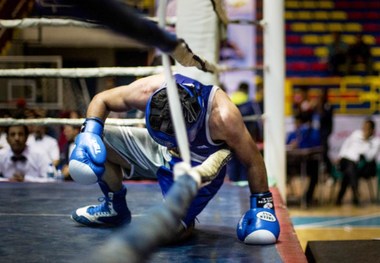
(318, 27)
(299, 27)
(326, 4)
(349, 39)
(327, 39)
(369, 40)
(335, 27)
(292, 4)
(338, 15)
(289, 15)
(321, 15)
(375, 51)
(376, 66)
(353, 27)
(309, 4)
(311, 39)
(304, 15)
(321, 52)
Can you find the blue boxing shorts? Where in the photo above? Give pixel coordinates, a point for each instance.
(150, 160)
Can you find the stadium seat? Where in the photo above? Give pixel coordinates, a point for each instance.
(292, 4)
(304, 15)
(318, 27)
(349, 39)
(353, 27)
(319, 66)
(335, 27)
(321, 15)
(371, 27)
(369, 40)
(327, 39)
(299, 27)
(311, 39)
(326, 4)
(375, 51)
(338, 15)
(293, 39)
(321, 52)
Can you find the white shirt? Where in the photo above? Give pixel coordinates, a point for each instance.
(46, 144)
(3, 140)
(34, 168)
(355, 145)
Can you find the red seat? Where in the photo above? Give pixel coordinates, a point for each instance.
(298, 66)
(356, 15)
(293, 39)
(370, 27)
(305, 51)
(319, 66)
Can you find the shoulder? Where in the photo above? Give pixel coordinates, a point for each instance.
(225, 118)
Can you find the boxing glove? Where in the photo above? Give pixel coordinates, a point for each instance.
(259, 225)
(87, 160)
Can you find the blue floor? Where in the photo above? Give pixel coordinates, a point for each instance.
(35, 225)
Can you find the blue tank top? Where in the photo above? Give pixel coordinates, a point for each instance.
(202, 146)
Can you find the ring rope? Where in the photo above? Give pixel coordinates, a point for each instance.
(78, 122)
(66, 121)
(34, 22)
(102, 71)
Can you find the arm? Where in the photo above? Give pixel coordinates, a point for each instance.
(227, 124)
(124, 98)
(259, 224)
(87, 161)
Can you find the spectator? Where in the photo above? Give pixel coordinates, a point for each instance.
(241, 95)
(304, 107)
(337, 55)
(359, 53)
(305, 136)
(324, 112)
(20, 162)
(361, 145)
(70, 132)
(49, 145)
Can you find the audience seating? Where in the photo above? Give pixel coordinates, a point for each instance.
(309, 28)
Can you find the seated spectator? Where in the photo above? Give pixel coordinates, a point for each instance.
(361, 145)
(305, 136)
(21, 162)
(70, 133)
(45, 143)
(337, 55)
(359, 53)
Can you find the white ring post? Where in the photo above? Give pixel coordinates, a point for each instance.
(274, 79)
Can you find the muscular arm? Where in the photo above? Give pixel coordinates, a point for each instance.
(227, 124)
(124, 98)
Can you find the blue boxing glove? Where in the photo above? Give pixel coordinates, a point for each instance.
(259, 225)
(87, 160)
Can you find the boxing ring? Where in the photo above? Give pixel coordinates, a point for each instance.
(37, 222)
(36, 226)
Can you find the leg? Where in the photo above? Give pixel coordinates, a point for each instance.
(126, 147)
(312, 171)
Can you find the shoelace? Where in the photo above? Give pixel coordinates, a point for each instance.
(101, 209)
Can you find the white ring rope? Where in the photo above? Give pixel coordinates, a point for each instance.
(59, 22)
(101, 71)
(66, 121)
(81, 72)
(79, 122)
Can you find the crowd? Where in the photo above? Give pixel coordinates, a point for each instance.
(313, 126)
(344, 59)
(36, 153)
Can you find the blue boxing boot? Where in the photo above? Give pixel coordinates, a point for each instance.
(113, 211)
